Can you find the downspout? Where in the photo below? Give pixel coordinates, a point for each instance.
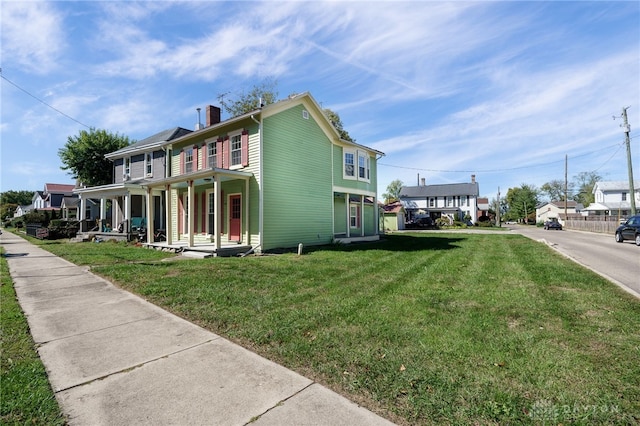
(375, 202)
(165, 218)
(261, 185)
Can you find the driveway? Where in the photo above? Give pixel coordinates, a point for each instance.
(618, 262)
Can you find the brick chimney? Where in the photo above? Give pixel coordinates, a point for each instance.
(213, 115)
(473, 178)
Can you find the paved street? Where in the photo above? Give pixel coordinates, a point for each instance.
(618, 262)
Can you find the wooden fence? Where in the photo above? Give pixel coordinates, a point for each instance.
(600, 224)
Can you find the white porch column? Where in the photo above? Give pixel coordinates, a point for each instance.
(167, 202)
(83, 209)
(149, 216)
(247, 234)
(103, 212)
(362, 215)
(218, 213)
(191, 212)
(127, 212)
(347, 197)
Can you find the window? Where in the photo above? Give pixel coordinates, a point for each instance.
(127, 166)
(212, 212)
(354, 158)
(236, 150)
(354, 216)
(148, 163)
(624, 196)
(449, 201)
(349, 164)
(363, 166)
(185, 209)
(431, 202)
(188, 160)
(212, 154)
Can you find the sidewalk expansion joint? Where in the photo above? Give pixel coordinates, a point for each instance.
(100, 329)
(279, 404)
(134, 367)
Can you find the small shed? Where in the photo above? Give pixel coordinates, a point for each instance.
(393, 214)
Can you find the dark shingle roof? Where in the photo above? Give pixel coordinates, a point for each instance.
(155, 140)
(451, 189)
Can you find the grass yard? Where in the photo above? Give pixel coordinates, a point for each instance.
(420, 328)
(26, 397)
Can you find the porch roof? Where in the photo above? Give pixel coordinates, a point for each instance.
(111, 190)
(202, 176)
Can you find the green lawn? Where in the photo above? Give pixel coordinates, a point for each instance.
(26, 397)
(422, 328)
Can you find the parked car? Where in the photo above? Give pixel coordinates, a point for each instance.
(422, 222)
(553, 224)
(630, 230)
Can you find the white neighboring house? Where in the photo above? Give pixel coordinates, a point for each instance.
(22, 210)
(612, 199)
(554, 209)
(454, 200)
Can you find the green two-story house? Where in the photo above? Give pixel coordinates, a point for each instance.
(272, 178)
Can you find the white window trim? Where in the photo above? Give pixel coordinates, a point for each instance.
(367, 166)
(186, 161)
(357, 155)
(231, 136)
(214, 141)
(126, 168)
(148, 164)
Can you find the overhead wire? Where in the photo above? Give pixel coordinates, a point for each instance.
(499, 170)
(41, 101)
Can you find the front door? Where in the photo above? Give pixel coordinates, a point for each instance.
(235, 217)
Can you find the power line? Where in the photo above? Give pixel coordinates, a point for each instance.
(495, 170)
(41, 101)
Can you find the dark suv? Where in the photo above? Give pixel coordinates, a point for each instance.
(630, 230)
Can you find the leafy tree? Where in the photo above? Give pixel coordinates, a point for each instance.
(494, 207)
(10, 200)
(393, 191)
(83, 155)
(584, 182)
(554, 190)
(259, 95)
(522, 202)
(337, 123)
(16, 197)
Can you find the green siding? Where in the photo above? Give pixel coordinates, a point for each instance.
(370, 227)
(297, 191)
(339, 215)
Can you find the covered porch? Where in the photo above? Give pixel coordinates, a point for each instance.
(205, 210)
(122, 211)
(356, 217)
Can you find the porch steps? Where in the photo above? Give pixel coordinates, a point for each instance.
(196, 254)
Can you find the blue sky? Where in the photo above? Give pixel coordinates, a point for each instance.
(502, 90)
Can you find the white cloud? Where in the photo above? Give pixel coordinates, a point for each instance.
(32, 35)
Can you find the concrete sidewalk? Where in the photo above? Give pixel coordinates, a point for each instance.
(115, 359)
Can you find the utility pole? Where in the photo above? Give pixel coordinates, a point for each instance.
(566, 184)
(632, 191)
(498, 209)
